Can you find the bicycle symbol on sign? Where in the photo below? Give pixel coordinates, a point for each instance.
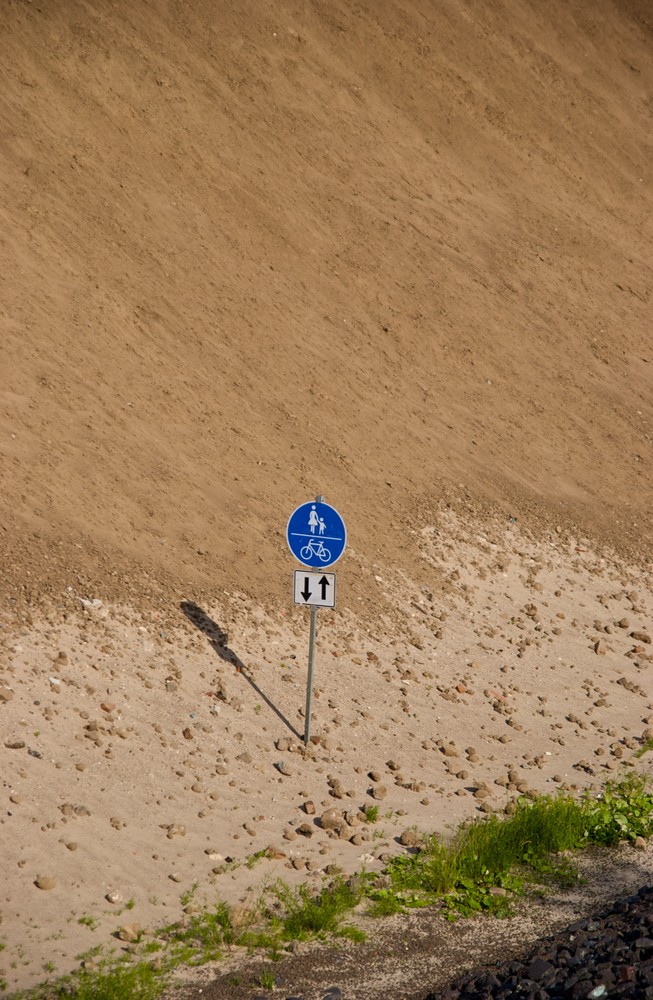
(315, 547)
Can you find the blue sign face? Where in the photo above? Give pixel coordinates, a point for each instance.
(316, 534)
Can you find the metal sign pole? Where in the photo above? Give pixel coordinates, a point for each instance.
(309, 683)
(311, 660)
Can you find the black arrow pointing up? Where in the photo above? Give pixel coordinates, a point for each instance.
(324, 583)
(306, 593)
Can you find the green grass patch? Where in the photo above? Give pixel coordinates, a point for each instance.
(202, 937)
(88, 921)
(491, 860)
(118, 982)
(255, 858)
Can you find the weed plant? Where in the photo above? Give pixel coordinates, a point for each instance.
(267, 980)
(623, 811)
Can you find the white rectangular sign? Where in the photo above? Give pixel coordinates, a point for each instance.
(318, 589)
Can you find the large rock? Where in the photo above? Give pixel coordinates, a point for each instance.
(332, 819)
(45, 882)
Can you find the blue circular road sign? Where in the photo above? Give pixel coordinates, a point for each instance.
(316, 534)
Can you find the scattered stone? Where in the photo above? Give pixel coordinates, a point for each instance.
(114, 896)
(174, 830)
(274, 853)
(45, 882)
(129, 932)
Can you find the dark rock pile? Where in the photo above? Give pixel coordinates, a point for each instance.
(606, 955)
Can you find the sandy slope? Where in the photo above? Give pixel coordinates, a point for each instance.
(385, 254)
(397, 255)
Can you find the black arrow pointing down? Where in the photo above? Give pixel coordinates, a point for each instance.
(306, 593)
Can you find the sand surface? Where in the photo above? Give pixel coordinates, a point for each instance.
(397, 255)
(144, 757)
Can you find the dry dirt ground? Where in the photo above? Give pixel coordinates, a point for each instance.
(395, 252)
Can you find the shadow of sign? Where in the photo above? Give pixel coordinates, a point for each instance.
(218, 640)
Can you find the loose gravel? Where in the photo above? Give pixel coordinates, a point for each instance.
(607, 955)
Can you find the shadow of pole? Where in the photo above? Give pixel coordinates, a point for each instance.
(218, 640)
